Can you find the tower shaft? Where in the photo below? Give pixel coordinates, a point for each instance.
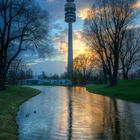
(70, 50)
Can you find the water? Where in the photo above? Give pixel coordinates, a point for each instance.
(64, 113)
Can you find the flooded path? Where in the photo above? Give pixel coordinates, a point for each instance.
(65, 113)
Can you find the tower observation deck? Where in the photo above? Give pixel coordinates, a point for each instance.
(70, 17)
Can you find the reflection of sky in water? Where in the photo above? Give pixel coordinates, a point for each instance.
(62, 113)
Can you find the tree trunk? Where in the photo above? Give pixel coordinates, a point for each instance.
(2, 85)
(105, 79)
(2, 77)
(125, 74)
(2, 81)
(114, 78)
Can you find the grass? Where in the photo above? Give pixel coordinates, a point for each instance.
(10, 99)
(126, 89)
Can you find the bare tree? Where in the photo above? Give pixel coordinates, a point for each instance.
(22, 25)
(130, 51)
(13, 72)
(83, 67)
(105, 30)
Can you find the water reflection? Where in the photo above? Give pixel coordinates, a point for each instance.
(70, 113)
(64, 113)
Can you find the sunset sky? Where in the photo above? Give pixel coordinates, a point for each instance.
(57, 62)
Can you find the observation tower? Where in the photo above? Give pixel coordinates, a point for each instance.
(70, 17)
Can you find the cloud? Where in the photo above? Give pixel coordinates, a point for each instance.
(137, 4)
(50, 1)
(49, 67)
(63, 47)
(57, 26)
(60, 40)
(85, 13)
(79, 44)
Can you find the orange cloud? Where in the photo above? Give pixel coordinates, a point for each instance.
(63, 47)
(78, 45)
(60, 40)
(137, 4)
(88, 13)
(85, 13)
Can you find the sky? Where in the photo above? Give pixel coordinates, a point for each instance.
(57, 63)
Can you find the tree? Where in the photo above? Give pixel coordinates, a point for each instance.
(130, 51)
(83, 67)
(43, 75)
(22, 25)
(29, 74)
(54, 76)
(13, 72)
(105, 30)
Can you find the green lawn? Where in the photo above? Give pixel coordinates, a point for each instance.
(126, 89)
(10, 99)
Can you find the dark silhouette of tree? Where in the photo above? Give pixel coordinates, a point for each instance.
(130, 51)
(105, 29)
(29, 74)
(83, 67)
(13, 72)
(43, 75)
(22, 25)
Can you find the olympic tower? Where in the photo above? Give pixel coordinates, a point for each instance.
(70, 17)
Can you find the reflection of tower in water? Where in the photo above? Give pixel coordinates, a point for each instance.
(70, 115)
(70, 17)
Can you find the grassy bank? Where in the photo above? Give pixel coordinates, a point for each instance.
(10, 99)
(128, 90)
